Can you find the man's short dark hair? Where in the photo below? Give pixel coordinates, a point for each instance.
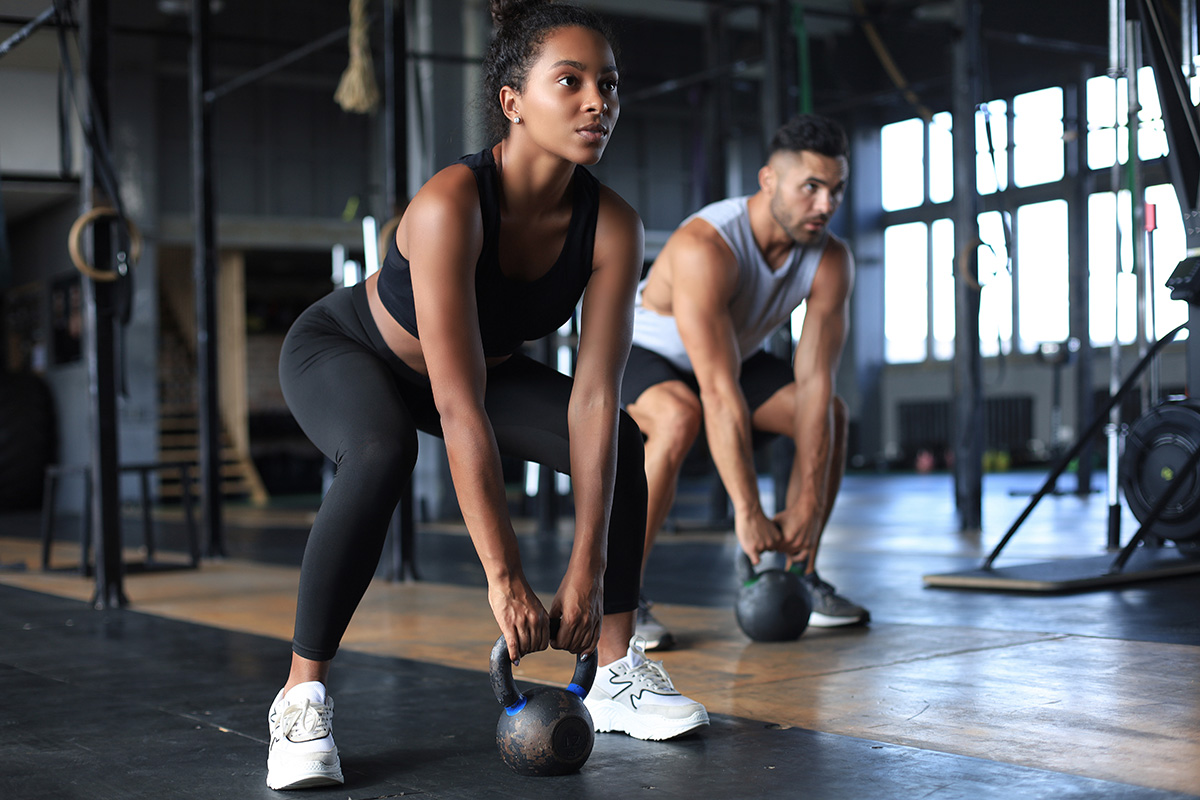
(811, 132)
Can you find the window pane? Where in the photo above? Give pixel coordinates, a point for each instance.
(1108, 224)
(941, 158)
(995, 301)
(1169, 248)
(1044, 296)
(1101, 122)
(1038, 155)
(903, 153)
(991, 162)
(1108, 119)
(905, 291)
(1152, 132)
(943, 288)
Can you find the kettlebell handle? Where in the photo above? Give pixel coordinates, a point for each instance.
(747, 574)
(505, 687)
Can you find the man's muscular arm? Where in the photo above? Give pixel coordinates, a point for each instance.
(818, 352)
(704, 278)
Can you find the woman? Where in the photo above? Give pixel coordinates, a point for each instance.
(493, 251)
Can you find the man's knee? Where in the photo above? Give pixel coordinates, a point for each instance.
(670, 417)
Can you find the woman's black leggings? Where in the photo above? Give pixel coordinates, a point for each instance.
(362, 407)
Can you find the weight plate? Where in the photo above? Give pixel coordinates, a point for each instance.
(1157, 448)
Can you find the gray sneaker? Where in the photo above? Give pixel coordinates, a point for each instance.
(656, 636)
(830, 609)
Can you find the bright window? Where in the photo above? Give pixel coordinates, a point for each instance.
(942, 289)
(941, 158)
(903, 154)
(991, 147)
(995, 281)
(1107, 120)
(1169, 245)
(1043, 294)
(1038, 154)
(905, 291)
(1108, 225)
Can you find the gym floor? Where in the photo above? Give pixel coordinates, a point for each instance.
(949, 693)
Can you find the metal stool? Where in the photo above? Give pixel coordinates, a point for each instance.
(56, 471)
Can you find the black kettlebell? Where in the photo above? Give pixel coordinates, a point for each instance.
(773, 605)
(545, 730)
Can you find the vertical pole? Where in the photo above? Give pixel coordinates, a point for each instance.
(1152, 280)
(99, 301)
(1080, 277)
(1112, 431)
(1187, 41)
(716, 114)
(1133, 55)
(968, 368)
(395, 182)
(775, 29)
(204, 272)
(395, 117)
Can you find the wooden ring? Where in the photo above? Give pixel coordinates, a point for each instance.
(85, 219)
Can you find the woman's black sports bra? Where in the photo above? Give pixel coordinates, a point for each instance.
(511, 312)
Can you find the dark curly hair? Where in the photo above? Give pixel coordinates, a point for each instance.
(521, 28)
(813, 133)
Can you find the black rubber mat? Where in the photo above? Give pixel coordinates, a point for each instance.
(120, 704)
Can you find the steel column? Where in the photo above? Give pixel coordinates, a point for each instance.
(395, 113)
(100, 312)
(968, 366)
(205, 273)
(1080, 263)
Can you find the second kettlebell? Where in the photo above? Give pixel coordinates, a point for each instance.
(772, 604)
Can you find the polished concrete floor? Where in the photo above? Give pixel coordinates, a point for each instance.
(949, 693)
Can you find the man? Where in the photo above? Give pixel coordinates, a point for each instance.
(727, 278)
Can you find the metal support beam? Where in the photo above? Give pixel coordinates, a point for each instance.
(205, 273)
(709, 183)
(968, 364)
(26, 31)
(779, 90)
(100, 309)
(395, 110)
(1079, 279)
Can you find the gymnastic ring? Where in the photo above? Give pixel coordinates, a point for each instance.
(386, 233)
(88, 217)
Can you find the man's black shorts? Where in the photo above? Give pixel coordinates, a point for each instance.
(762, 376)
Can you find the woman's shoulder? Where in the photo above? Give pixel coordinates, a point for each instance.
(614, 209)
(451, 188)
(620, 234)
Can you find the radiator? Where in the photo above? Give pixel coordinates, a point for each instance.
(927, 425)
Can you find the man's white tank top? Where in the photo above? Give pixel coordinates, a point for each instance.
(762, 300)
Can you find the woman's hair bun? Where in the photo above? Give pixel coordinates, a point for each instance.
(505, 11)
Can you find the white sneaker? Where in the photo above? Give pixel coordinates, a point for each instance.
(634, 695)
(302, 751)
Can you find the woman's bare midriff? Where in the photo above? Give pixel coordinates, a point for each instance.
(406, 346)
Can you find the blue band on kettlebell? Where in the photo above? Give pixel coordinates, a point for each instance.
(577, 689)
(516, 707)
